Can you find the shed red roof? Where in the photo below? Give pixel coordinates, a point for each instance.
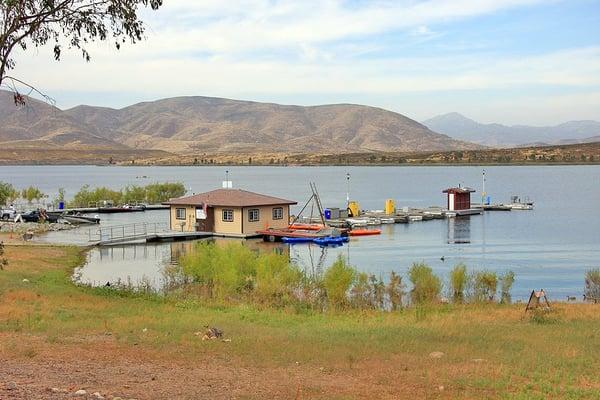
(459, 190)
(229, 198)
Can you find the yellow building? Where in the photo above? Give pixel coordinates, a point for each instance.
(229, 212)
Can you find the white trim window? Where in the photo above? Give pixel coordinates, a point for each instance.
(180, 213)
(227, 215)
(277, 212)
(253, 215)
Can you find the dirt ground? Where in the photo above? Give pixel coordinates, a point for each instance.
(57, 371)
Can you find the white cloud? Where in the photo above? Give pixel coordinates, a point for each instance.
(284, 48)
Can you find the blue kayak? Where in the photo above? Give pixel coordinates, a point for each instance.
(329, 240)
(296, 239)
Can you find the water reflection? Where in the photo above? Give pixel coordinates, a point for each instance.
(147, 264)
(459, 230)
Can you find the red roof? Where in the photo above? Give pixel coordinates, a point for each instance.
(459, 190)
(229, 198)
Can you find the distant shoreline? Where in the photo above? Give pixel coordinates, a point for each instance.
(577, 154)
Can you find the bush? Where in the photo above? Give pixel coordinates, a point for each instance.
(276, 279)
(395, 291)
(360, 293)
(592, 285)
(485, 284)
(506, 282)
(426, 286)
(234, 271)
(86, 197)
(3, 260)
(160, 192)
(133, 194)
(7, 193)
(337, 281)
(154, 193)
(32, 193)
(458, 282)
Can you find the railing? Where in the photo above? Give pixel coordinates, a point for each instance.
(128, 231)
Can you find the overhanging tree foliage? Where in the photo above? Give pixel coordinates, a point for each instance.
(65, 23)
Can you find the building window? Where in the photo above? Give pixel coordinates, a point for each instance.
(253, 215)
(278, 213)
(227, 215)
(180, 213)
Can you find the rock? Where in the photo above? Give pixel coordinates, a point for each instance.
(25, 280)
(478, 360)
(145, 330)
(436, 354)
(57, 390)
(11, 386)
(97, 395)
(80, 392)
(117, 398)
(441, 388)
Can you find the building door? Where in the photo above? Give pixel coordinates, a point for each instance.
(207, 224)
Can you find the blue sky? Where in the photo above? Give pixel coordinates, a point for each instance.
(513, 61)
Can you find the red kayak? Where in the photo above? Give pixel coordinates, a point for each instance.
(306, 227)
(364, 232)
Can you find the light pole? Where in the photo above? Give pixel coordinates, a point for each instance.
(483, 189)
(347, 189)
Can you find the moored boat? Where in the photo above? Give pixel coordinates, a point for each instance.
(364, 232)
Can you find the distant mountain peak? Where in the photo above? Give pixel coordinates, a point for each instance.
(460, 127)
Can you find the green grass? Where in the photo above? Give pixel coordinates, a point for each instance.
(522, 359)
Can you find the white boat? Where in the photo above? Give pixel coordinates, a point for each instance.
(356, 221)
(517, 204)
(414, 218)
(520, 206)
(387, 220)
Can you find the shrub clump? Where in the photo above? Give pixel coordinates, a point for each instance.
(152, 194)
(592, 285)
(337, 281)
(459, 280)
(3, 260)
(485, 284)
(506, 281)
(426, 286)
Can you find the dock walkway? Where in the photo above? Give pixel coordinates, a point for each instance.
(145, 232)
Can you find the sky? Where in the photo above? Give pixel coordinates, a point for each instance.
(508, 61)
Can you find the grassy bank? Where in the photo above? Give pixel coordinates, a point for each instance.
(490, 351)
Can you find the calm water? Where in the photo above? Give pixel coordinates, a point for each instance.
(549, 247)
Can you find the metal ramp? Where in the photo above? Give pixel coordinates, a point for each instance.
(141, 231)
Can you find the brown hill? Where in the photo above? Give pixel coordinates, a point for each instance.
(213, 125)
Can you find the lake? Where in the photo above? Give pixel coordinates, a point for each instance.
(550, 247)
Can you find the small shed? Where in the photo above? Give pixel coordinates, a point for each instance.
(459, 198)
(228, 212)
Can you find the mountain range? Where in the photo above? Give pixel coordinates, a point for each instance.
(191, 125)
(460, 127)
